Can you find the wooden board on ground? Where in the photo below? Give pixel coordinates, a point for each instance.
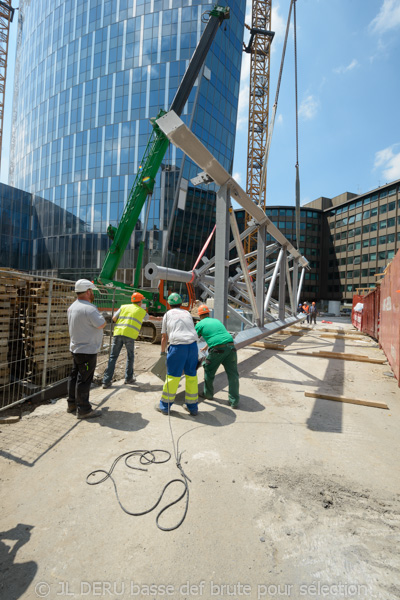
(337, 336)
(338, 355)
(268, 345)
(346, 400)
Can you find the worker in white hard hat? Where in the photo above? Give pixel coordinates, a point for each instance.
(86, 326)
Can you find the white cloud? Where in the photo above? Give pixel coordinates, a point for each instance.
(354, 63)
(278, 23)
(279, 119)
(308, 108)
(237, 177)
(387, 18)
(389, 162)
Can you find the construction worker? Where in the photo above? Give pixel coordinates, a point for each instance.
(86, 326)
(182, 357)
(129, 319)
(306, 309)
(221, 351)
(312, 313)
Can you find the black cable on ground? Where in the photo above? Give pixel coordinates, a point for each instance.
(147, 457)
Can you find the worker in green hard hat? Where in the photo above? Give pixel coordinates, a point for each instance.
(178, 331)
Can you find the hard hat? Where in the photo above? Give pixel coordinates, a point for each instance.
(137, 297)
(203, 309)
(174, 299)
(83, 285)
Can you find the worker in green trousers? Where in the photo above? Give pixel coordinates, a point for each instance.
(221, 351)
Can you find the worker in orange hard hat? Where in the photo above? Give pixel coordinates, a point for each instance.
(128, 319)
(221, 351)
(312, 313)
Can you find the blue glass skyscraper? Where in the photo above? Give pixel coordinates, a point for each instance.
(89, 76)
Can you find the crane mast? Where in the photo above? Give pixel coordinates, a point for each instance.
(6, 17)
(259, 50)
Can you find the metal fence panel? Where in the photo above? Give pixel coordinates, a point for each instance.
(389, 334)
(34, 337)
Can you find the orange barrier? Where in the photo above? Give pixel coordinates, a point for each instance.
(380, 316)
(371, 313)
(389, 333)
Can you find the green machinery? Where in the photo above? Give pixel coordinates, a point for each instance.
(144, 182)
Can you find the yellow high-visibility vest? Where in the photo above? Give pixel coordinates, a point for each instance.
(130, 320)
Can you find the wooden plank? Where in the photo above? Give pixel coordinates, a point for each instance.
(347, 400)
(377, 361)
(340, 337)
(268, 345)
(341, 354)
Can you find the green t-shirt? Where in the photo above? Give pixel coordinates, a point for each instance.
(213, 331)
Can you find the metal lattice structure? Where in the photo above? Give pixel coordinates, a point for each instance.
(259, 50)
(6, 17)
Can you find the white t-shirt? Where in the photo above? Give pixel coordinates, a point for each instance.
(178, 325)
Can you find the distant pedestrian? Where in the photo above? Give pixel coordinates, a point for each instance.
(182, 357)
(306, 309)
(313, 313)
(128, 319)
(86, 326)
(221, 351)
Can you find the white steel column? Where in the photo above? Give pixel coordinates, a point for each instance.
(260, 282)
(282, 286)
(222, 255)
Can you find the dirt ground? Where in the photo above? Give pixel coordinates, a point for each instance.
(290, 496)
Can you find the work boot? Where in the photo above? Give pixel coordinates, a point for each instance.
(191, 409)
(131, 380)
(163, 407)
(92, 414)
(71, 408)
(106, 385)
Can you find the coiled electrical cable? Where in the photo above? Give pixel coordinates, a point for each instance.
(147, 457)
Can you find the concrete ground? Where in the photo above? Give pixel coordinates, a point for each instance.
(290, 496)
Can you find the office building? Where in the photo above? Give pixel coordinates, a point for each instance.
(348, 240)
(89, 76)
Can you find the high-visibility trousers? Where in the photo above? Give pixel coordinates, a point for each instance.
(181, 359)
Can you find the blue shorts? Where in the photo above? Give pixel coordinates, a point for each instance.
(182, 358)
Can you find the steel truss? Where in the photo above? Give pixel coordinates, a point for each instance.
(249, 292)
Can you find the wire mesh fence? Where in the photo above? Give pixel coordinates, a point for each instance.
(34, 336)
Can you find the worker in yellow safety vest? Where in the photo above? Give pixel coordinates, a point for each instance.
(128, 319)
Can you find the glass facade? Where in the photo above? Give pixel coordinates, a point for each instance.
(18, 226)
(89, 76)
(311, 241)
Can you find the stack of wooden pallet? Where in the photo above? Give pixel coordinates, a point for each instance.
(9, 320)
(36, 325)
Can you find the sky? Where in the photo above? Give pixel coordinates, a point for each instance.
(348, 55)
(348, 95)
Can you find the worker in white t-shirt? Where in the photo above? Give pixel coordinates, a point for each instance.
(178, 330)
